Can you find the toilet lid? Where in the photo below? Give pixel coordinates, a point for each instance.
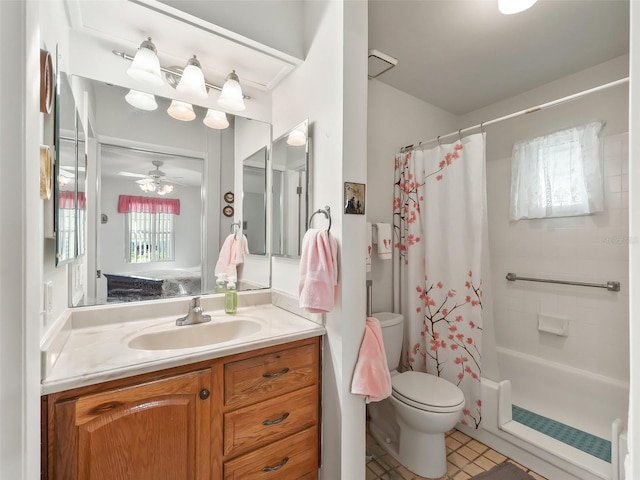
(427, 392)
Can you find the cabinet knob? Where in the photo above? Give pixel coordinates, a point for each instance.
(275, 374)
(204, 394)
(276, 467)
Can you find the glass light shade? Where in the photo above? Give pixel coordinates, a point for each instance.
(148, 187)
(181, 111)
(216, 119)
(141, 100)
(164, 189)
(296, 138)
(146, 66)
(509, 7)
(192, 81)
(231, 97)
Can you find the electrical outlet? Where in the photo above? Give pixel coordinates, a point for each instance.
(48, 298)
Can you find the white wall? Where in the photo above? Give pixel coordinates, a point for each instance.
(395, 119)
(336, 38)
(634, 245)
(21, 233)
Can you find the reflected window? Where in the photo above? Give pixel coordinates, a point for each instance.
(149, 228)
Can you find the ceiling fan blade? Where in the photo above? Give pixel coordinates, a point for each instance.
(131, 174)
(142, 181)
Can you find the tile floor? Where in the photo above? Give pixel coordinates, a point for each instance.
(466, 457)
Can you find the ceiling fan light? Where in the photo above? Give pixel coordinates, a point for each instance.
(148, 187)
(146, 66)
(141, 100)
(164, 189)
(216, 119)
(192, 81)
(181, 111)
(509, 7)
(231, 97)
(296, 138)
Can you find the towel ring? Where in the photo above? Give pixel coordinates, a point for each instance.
(326, 211)
(237, 224)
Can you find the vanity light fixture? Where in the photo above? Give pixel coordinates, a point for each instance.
(146, 66)
(296, 138)
(216, 119)
(192, 80)
(509, 7)
(141, 100)
(231, 97)
(181, 111)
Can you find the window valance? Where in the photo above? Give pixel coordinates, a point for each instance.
(137, 204)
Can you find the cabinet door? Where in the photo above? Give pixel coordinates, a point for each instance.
(160, 429)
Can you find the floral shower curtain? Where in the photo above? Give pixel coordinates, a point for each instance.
(439, 216)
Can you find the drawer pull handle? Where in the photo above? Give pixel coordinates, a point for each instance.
(204, 394)
(268, 423)
(276, 374)
(276, 467)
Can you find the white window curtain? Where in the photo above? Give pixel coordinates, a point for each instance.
(558, 175)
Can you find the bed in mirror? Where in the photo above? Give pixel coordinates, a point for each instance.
(290, 166)
(153, 224)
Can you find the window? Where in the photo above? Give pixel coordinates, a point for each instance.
(149, 228)
(557, 175)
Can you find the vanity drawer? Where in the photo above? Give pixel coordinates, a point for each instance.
(256, 425)
(291, 458)
(266, 376)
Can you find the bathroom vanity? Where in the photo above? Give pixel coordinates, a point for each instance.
(245, 415)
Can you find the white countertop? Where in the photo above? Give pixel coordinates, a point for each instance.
(99, 351)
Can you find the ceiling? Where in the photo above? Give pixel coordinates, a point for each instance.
(461, 55)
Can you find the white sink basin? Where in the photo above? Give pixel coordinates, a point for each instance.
(218, 330)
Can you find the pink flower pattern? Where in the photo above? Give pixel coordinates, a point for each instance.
(447, 340)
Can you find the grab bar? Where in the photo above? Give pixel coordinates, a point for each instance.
(611, 286)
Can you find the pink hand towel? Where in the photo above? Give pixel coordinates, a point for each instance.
(225, 257)
(371, 377)
(318, 271)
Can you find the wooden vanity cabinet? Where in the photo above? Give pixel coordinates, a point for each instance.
(248, 416)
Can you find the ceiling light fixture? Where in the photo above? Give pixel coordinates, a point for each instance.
(192, 81)
(509, 7)
(231, 97)
(156, 186)
(216, 119)
(146, 66)
(141, 100)
(181, 111)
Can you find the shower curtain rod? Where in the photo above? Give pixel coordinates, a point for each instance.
(537, 108)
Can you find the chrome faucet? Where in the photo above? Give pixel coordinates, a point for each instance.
(194, 315)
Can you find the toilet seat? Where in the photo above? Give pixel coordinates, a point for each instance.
(427, 392)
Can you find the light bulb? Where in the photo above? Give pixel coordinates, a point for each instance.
(181, 111)
(141, 100)
(192, 81)
(146, 66)
(296, 138)
(231, 97)
(216, 119)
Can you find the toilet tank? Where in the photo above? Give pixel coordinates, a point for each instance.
(392, 330)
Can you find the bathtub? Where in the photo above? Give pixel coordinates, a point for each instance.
(589, 402)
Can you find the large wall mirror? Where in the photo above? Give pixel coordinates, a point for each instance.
(290, 166)
(254, 201)
(152, 217)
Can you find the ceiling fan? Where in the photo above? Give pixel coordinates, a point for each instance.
(151, 181)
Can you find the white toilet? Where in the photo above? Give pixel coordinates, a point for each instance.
(411, 423)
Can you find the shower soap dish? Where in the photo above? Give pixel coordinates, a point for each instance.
(552, 324)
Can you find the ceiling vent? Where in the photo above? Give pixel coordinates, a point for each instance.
(380, 62)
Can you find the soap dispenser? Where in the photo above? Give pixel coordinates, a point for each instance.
(220, 284)
(231, 299)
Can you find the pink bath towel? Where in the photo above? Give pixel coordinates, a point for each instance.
(371, 377)
(318, 271)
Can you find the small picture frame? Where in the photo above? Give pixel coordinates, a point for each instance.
(354, 198)
(229, 197)
(228, 211)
